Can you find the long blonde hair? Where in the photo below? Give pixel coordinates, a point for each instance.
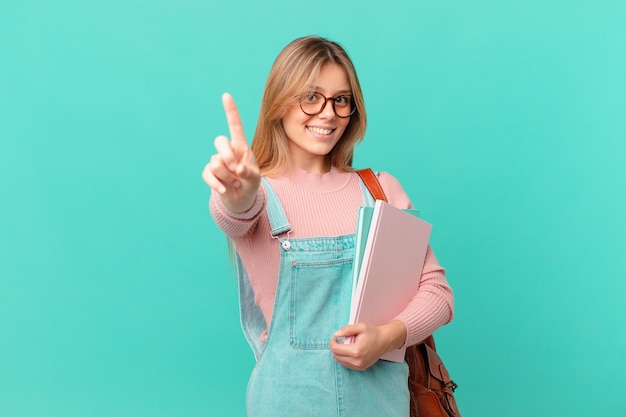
(294, 70)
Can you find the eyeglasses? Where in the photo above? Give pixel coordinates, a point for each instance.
(314, 103)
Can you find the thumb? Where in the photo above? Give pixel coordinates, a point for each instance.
(248, 169)
(349, 330)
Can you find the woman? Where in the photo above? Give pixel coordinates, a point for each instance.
(289, 205)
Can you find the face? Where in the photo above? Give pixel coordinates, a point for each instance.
(311, 138)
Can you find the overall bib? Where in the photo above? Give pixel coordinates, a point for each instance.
(296, 374)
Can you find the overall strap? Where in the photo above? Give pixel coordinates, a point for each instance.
(251, 317)
(275, 211)
(371, 182)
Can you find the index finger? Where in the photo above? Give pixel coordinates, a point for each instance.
(237, 135)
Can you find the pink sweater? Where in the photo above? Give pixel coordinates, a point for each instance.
(326, 205)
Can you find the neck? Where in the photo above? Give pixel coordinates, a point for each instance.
(315, 166)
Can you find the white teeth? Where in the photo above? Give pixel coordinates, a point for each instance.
(320, 131)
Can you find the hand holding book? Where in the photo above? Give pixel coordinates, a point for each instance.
(370, 343)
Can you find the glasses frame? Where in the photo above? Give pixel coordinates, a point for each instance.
(332, 103)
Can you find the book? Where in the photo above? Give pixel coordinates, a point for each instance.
(364, 219)
(391, 246)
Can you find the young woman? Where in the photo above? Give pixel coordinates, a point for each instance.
(289, 204)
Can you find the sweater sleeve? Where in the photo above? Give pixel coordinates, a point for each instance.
(236, 225)
(433, 304)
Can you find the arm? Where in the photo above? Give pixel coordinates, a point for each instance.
(433, 304)
(430, 308)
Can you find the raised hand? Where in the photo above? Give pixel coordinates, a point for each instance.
(233, 171)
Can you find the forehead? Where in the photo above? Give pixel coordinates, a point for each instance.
(332, 79)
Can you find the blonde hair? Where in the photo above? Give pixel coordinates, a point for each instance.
(296, 68)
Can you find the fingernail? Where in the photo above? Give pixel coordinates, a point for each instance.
(237, 184)
(221, 190)
(232, 166)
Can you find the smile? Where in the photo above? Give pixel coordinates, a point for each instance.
(319, 130)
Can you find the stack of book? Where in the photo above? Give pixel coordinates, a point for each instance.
(391, 246)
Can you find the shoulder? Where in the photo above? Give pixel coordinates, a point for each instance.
(388, 181)
(393, 190)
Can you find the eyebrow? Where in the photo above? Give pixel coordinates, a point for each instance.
(340, 92)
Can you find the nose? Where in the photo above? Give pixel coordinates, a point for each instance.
(328, 112)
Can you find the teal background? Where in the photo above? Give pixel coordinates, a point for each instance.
(505, 122)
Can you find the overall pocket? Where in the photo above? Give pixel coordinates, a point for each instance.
(319, 301)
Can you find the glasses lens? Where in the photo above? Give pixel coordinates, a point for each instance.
(343, 105)
(313, 103)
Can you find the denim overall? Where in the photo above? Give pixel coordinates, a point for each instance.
(295, 373)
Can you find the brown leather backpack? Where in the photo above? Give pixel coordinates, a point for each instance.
(430, 386)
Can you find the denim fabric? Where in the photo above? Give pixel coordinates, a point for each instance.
(295, 373)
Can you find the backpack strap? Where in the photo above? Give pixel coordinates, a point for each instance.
(371, 182)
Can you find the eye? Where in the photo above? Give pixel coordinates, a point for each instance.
(343, 101)
(310, 97)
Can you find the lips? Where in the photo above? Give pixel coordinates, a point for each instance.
(320, 130)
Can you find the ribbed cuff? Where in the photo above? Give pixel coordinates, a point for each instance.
(258, 205)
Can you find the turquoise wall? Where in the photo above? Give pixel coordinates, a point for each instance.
(505, 121)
